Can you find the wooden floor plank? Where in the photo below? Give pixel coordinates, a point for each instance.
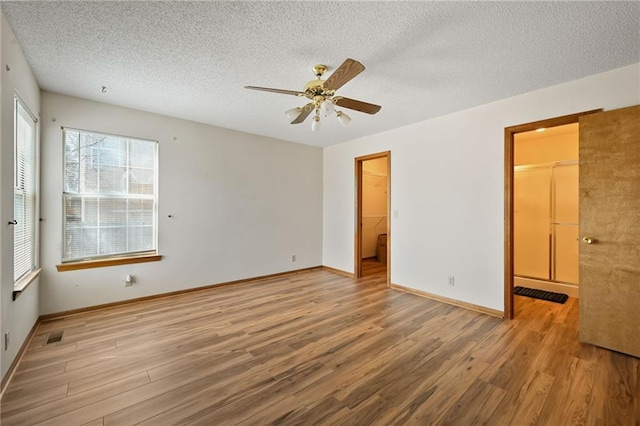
(451, 385)
(47, 411)
(216, 386)
(326, 412)
(614, 390)
(570, 394)
(483, 396)
(374, 411)
(318, 348)
(96, 422)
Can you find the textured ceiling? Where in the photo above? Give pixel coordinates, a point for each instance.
(423, 59)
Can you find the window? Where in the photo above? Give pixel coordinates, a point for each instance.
(24, 192)
(110, 196)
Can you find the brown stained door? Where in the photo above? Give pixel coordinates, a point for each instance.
(610, 229)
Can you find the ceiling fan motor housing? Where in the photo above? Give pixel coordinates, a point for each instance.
(314, 86)
(316, 91)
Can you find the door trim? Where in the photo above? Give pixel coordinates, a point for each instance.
(509, 133)
(358, 215)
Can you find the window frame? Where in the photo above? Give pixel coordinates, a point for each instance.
(113, 258)
(20, 283)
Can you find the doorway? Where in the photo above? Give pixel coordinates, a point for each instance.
(546, 209)
(542, 254)
(373, 202)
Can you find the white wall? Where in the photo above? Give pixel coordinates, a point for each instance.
(19, 316)
(447, 184)
(242, 205)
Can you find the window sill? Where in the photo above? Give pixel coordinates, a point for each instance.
(88, 264)
(24, 282)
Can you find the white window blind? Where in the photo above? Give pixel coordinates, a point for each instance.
(24, 193)
(110, 196)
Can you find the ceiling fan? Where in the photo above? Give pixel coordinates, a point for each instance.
(323, 97)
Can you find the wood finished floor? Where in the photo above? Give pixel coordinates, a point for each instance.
(319, 348)
(370, 266)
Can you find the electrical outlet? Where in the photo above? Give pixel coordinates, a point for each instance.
(6, 340)
(128, 280)
(293, 258)
(452, 280)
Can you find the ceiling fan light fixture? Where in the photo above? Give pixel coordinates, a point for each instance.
(327, 107)
(293, 113)
(315, 124)
(343, 118)
(321, 95)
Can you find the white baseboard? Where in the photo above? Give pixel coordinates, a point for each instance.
(570, 290)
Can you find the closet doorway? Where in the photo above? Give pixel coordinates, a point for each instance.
(545, 206)
(372, 239)
(541, 207)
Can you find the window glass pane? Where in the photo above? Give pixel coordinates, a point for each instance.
(71, 161)
(24, 199)
(113, 179)
(113, 211)
(89, 211)
(113, 239)
(142, 155)
(141, 212)
(141, 181)
(73, 242)
(89, 173)
(72, 210)
(113, 196)
(88, 243)
(141, 238)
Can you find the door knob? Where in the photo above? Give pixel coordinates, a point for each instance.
(588, 240)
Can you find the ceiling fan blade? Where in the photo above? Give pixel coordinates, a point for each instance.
(345, 72)
(267, 89)
(357, 105)
(304, 113)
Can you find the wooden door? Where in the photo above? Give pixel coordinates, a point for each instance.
(610, 216)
